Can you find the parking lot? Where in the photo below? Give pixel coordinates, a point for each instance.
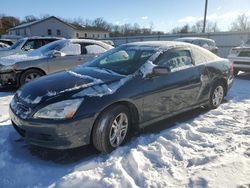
(200, 148)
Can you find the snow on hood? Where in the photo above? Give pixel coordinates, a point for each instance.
(12, 59)
(103, 89)
(80, 82)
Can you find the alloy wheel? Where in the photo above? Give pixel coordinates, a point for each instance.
(118, 129)
(31, 76)
(218, 95)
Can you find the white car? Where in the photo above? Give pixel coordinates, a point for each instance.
(3, 45)
(24, 45)
(240, 56)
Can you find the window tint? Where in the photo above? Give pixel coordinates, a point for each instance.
(175, 59)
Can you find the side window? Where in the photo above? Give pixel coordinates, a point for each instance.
(29, 45)
(83, 49)
(175, 59)
(94, 49)
(49, 32)
(197, 42)
(202, 56)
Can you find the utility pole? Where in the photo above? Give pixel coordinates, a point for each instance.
(205, 17)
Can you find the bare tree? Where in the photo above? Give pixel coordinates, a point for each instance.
(8, 22)
(210, 27)
(241, 23)
(29, 18)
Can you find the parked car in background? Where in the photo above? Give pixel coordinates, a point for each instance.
(208, 44)
(240, 56)
(56, 56)
(3, 45)
(126, 88)
(25, 45)
(7, 41)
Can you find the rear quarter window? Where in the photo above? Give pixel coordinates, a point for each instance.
(202, 55)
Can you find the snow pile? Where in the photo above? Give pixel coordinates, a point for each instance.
(211, 149)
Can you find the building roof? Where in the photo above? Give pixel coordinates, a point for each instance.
(88, 28)
(74, 26)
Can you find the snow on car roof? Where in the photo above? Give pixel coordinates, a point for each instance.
(157, 44)
(192, 39)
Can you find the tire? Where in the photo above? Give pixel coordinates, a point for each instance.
(29, 76)
(216, 96)
(104, 135)
(236, 72)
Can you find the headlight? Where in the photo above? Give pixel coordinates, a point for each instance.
(60, 110)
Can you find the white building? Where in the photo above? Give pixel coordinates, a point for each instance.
(53, 26)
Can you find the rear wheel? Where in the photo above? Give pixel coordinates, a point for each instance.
(30, 75)
(111, 128)
(216, 96)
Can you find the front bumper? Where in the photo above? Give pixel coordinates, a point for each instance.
(49, 134)
(9, 78)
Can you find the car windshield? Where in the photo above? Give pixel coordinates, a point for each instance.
(248, 42)
(56, 45)
(123, 60)
(16, 44)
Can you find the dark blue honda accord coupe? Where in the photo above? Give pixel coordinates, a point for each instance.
(126, 88)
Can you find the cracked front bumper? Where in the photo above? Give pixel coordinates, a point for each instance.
(56, 135)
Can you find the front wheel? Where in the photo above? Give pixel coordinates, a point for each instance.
(111, 128)
(30, 75)
(216, 96)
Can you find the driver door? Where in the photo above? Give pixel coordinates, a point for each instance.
(174, 91)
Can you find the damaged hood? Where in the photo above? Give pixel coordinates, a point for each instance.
(71, 82)
(12, 59)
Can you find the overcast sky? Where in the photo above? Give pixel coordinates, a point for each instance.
(164, 14)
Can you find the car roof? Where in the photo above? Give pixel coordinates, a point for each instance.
(158, 44)
(107, 46)
(192, 39)
(37, 37)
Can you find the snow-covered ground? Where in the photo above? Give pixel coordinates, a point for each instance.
(195, 149)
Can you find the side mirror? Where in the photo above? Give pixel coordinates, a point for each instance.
(56, 54)
(159, 71)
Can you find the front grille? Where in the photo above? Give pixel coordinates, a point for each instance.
(19, 108)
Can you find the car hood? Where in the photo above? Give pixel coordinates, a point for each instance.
(12, 59)
(65, 83)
